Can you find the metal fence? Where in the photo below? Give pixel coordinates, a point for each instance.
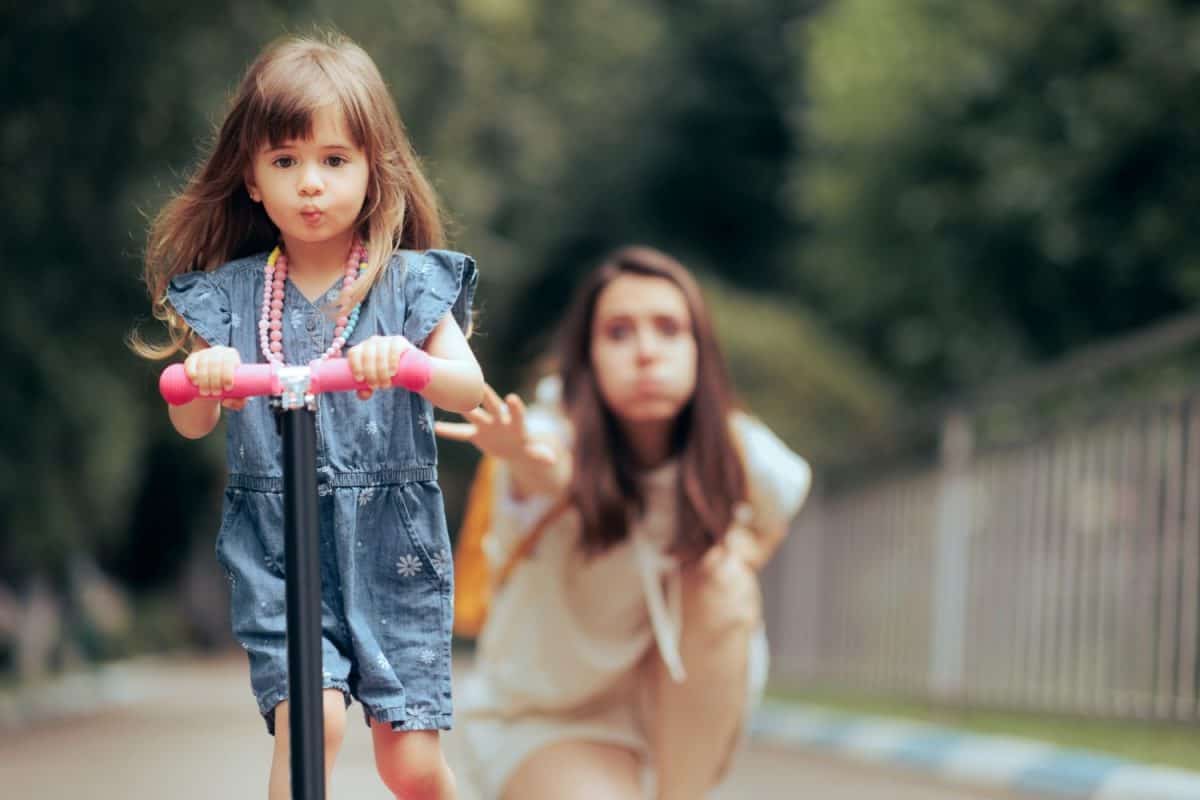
(1061, 574)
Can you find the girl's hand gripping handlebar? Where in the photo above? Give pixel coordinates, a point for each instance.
(258, 380)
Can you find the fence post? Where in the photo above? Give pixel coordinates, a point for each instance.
(951, 560)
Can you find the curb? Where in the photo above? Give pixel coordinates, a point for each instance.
(62, 697)
(1022, 765)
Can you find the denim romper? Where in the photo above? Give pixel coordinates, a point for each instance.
(386, 569)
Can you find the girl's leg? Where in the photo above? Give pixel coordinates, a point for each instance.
(577, 771)
(334, 705)
(694, 725)
(411, 763)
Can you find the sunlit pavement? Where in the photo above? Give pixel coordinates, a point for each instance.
(188, 730)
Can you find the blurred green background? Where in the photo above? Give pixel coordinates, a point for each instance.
(891, 203)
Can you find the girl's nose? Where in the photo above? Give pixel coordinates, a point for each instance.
(310, 181)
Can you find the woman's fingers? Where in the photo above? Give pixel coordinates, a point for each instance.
(456, 431)
(492, 402)
(480, 417)
(516, 411)
(541, 452)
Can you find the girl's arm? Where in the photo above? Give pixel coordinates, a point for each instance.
(537, 464)
(456, 382)
(211, 369)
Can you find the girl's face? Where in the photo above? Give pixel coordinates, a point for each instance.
(642, 348)
(312, 189)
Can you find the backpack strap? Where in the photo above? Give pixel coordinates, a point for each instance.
(530, 541)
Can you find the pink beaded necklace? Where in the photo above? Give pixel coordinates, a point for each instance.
(270, 324)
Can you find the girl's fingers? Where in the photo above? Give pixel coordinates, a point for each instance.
(354, 356)
(457, 431)
(209, 377)
(228, 366)
(383, 360)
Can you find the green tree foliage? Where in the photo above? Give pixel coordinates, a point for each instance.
(994, 183)
(99, 99)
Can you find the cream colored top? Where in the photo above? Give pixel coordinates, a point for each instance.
(566, 628)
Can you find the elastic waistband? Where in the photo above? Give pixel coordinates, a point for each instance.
(337, 480)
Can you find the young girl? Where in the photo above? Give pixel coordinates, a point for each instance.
(625, 638)
(305, 235)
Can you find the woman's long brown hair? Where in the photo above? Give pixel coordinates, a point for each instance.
(213, 220)
(604, 486)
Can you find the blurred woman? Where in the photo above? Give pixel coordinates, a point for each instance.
(633, 507)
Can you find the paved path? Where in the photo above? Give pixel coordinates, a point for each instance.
(192, 734)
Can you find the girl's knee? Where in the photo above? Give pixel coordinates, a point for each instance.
(412, 766)
(334, 706)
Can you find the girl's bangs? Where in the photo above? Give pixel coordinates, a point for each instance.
(286, 102)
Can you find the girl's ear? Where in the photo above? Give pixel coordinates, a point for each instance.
(251, 188)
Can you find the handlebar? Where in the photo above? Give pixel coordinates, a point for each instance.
(258, 380)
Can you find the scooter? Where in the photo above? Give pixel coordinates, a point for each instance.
(294, 392)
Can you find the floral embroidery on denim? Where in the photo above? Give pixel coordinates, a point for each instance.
(408, 566)
(420, 717)
(427, 657)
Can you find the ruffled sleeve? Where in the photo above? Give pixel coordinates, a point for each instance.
(203, 304)
(778, 480)
(440, 281)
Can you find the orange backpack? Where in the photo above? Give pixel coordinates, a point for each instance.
(474, 580)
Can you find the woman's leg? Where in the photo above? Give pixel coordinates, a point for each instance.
(411, 763)
(693, 726)
(577, 771)
(334, 705)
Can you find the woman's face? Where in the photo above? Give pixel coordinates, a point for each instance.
(643, 349)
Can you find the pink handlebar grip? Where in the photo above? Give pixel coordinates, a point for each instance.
(255, 380)
(249, 380)
(334, 375)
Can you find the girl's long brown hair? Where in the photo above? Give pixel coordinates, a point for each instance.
(213, 220)
(604, 488)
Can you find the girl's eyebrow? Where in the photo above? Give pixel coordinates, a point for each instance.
(338, 145)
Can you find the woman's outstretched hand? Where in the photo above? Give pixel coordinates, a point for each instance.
(498, 429)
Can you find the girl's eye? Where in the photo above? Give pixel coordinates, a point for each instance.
(284, 161)
(335, 161)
